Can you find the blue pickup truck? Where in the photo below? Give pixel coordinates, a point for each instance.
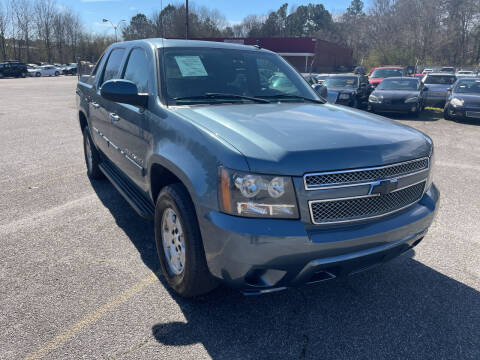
(250, 178)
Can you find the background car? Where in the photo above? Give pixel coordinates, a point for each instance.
(398, 94)
(419, 76)
(46, 70)
(383, 72)
(426, 71)
(464, 73)
(438, 85)
(70, 69)
(322, 77)
(351, 90)
(463, 100)
(448, 69)
(13, 69)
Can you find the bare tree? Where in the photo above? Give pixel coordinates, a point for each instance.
(44, 15)
(4, 23)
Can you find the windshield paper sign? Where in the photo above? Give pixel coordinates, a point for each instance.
(191, 66)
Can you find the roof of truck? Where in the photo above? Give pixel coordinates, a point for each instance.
(164, 43)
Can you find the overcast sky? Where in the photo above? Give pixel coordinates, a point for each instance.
(92, 11)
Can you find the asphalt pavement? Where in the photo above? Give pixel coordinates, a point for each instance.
(79, 271)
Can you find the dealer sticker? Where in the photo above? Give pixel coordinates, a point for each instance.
(191, 66)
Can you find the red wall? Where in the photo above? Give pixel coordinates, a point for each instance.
(327, 55)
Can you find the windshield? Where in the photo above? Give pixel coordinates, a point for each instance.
(440, 79)
(468, 86)
(192, 73)
(350, 82)
(385, 73)
(399, 84)
(465, 72)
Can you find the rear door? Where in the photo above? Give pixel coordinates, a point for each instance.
(130, 129)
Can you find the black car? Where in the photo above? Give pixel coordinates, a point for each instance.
(70, 69)
(13, 69)
(463, 100)
(350, 90)
(398, 94)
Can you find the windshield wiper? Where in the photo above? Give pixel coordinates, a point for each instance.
(286, 96)
(223, 96)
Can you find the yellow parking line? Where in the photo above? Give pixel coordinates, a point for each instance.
(61, 339)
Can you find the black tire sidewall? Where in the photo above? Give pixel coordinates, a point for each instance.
(195, 278)
(164, 202)
(94, 172)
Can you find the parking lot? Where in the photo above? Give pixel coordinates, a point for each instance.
(79, 275)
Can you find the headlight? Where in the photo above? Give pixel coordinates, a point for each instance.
(457, 102)
(431, 163)
(411, 100)
(375, 99)
(344, 96)
(253, 195)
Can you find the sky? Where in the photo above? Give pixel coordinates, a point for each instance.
(93, 11)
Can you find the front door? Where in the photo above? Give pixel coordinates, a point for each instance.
(130, 130)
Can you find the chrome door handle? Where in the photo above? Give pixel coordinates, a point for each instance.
(114, 117)
(95, 105)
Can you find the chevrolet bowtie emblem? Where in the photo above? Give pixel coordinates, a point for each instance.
(383, 187)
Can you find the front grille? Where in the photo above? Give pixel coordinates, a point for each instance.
(351, 209)
(313, 181)
(473, 114)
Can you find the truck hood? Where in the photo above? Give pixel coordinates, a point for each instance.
(293, 139)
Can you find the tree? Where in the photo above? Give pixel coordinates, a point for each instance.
(44, 15)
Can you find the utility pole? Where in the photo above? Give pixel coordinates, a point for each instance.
(115, 27)
(186, 19)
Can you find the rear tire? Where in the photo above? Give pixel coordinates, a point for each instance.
(179, 243)
(38, 74)
(92, 156)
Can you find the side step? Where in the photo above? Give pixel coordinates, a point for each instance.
(142, 205)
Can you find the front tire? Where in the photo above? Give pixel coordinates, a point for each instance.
(38, 74)
(57, 73)
(446, 113)
(92, 156)
(179, 243)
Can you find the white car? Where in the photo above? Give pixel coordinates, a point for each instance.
(464, 73)
(426, 71)
(46, 70)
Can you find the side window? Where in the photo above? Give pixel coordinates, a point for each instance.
(113, 65)
(137, 70)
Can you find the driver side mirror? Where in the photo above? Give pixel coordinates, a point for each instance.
(321, 90)
(123, 91)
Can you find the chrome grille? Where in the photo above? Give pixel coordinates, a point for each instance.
(364, 207)
(313, 181)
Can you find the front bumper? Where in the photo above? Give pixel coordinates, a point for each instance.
(465, 112)
(404, 107)
(261, 255)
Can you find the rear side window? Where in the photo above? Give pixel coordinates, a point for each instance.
(137, 70)
(113, 65)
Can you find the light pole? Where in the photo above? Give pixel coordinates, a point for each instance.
(115, 27)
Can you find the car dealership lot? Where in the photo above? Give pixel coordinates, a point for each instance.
(79, 268)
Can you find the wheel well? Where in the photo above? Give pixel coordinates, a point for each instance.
(159, 178)
(83, 120)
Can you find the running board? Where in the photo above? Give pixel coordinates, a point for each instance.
(139, 202)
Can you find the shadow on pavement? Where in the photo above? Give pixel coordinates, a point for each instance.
(402, 310)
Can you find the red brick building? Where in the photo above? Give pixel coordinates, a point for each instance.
(305, 54)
